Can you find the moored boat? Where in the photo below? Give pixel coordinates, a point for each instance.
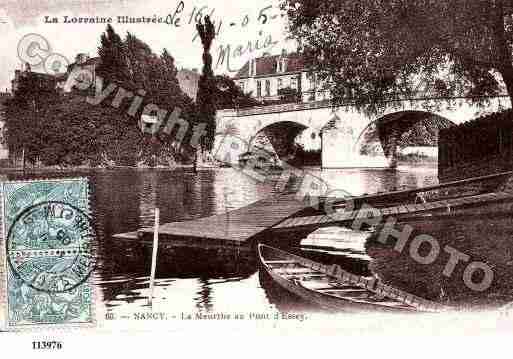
(334, 289)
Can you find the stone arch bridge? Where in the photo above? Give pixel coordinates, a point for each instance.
(345, 133)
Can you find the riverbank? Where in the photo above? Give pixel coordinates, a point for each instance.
(30, 170)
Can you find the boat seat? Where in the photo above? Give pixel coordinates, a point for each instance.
(281, 262)
(296, 270)
(349, 293)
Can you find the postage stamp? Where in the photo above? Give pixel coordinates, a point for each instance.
(48, 241)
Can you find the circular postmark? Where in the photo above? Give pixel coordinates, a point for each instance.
(50, 246)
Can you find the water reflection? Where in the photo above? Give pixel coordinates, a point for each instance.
(204, 300)
(359, 181)
(281, 299)
(124, 200)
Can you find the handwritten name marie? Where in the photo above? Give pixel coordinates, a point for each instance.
(229, 52)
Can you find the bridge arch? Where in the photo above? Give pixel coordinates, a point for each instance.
(245, 123)
(388, 131)
(280, 136)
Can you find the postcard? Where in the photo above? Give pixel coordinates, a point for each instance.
(283, 166)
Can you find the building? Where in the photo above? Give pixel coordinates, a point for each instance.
(40, 80)
(188, 81)
(268, 78)
(82, 62)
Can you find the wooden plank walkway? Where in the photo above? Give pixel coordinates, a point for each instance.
(238, 227)
(345, 218)
(235, 227)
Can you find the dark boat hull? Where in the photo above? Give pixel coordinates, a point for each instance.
(338, 298)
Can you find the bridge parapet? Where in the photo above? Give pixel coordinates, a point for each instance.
(287, 107)
(343, 146)
(302, 106)
(227, 113)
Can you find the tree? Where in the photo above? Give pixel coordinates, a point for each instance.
(139, 59)
(370, 52)
(25, 122)
(207, 85)
(113, 54)
(169, 66)
(164, 87)
(79, 133)
(68, 131)
(142, 69)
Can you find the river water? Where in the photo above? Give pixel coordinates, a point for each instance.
(124, 200)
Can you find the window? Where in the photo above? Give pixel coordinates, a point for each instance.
(252, 67)
(267, 87)
(259, 88)
(313, 81)
(280, 84)
(293, 83)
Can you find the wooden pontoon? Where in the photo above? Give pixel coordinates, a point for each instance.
(242, 228)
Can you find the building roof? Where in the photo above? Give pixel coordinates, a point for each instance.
(61, 77)
(188, 81)
(92, 61)
(267, 66)
(187, 74)
(43, 76)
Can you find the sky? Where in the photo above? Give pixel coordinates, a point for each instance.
(257, 22)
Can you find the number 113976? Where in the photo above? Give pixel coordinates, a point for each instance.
(46, 345)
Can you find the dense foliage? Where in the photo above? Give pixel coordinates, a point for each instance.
(66, 130)
(370, 52)
(155, 77)
(26, 124)
(485, 137)
(207, 86)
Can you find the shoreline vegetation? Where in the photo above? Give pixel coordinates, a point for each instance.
(416, 159)
(92, 168)
(67, 129)
(407, 160)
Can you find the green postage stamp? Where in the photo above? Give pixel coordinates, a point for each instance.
(48, 242)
